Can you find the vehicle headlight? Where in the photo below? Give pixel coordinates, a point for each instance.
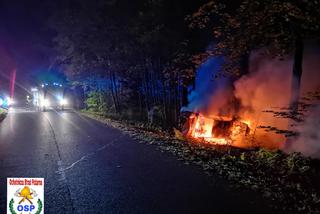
(63, 102)
(9, 101)
(45, 103)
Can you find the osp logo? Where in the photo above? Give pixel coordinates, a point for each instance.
(25, 195)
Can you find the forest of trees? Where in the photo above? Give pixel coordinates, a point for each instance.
(136, 58)
(130, 59)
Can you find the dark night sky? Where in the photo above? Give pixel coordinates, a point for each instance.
(24, 39)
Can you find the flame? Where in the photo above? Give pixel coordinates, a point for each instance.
(202, 128)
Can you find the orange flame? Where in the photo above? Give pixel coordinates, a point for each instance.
(207, 129)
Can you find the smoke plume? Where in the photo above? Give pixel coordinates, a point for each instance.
(267, 86)
(308, 142)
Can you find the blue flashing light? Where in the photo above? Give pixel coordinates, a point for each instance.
(60, 98)
(4, 103)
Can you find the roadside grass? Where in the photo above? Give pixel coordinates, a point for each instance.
(3, 114)
(289, 181)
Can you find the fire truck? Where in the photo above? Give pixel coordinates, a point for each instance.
(49, 96)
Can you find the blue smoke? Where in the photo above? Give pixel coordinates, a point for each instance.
(205, 85)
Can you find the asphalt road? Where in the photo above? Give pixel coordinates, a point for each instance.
(91, 168)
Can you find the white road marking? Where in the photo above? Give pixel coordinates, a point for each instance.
(62, 170)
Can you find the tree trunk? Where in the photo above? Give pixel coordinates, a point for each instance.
(115, 88)
(114, 99)
(295, 85)
(296, 74)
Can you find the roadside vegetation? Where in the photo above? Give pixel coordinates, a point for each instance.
(3, 114)
(134, 68)
(288, 181)
(142, 59)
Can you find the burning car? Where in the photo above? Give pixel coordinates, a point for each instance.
(218, 130)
